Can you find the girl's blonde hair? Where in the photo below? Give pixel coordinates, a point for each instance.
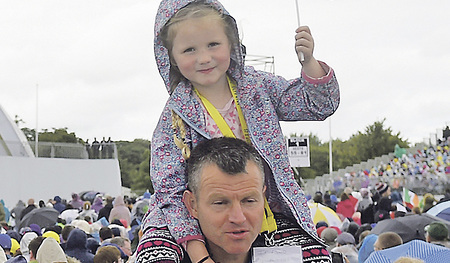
(198, 9)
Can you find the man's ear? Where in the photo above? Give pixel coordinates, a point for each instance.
(190, 202)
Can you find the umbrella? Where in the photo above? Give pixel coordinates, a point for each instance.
(69, 215)
(89, 196)
(43, 217)
(441, 210)
(408, 227)
(320, 212)
(428, 252)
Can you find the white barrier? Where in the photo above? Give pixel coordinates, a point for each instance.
(43, 178)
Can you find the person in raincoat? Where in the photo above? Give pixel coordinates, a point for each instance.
(58, 205)
(76, 201)
(88, 212)
(2, 212)
(98, 204)
(6, 211)
(120, 211)
(76, 246)
(17, 211)
(250, 104)
(24, 242)
(50, 251)
(140, 207)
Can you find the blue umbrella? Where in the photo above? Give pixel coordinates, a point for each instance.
(428, 252)
(441, 210)
(444, 214)
(408, 227)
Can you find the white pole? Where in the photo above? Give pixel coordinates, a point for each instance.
(302, 56)
(36, 132)
(331, 147)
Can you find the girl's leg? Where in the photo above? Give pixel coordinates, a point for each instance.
(291, 234)
(158, 245)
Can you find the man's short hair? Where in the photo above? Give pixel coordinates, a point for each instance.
(229, 154)
(66, 231)
(120, 241)
(35, 244)
(107, 254)
(389, 239)
(105, 233)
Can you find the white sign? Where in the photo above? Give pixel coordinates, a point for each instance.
(298, 151)
(285, 254)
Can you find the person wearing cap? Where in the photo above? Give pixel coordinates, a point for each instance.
(5, 244)
(345, 244)
(52, 234)
(382, 190)
(329, 236)
(437, 233)
(15, 246)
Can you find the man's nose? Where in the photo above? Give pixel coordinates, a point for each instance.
(237, 214)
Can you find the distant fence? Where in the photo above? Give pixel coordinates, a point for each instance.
(74, 150)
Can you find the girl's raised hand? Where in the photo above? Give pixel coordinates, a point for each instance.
(304, 43)
(304, 46)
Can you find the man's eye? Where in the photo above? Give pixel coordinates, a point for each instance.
(220, 202)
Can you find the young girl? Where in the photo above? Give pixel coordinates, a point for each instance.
(213, 94)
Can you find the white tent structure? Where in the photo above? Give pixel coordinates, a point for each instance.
(24, 176)
(12, 139)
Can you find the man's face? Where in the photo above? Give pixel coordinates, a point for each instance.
(229, 208)
(126, 248)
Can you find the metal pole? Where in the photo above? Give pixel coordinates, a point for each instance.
(302, 56)
(36, 132)
(331, 147)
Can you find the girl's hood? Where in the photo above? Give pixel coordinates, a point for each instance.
(166, 10)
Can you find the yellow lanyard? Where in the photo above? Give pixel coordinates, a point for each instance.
(218, 118)
(268, 224)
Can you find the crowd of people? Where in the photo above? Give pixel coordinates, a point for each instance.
(109, 229)
(360, 211)
(426, 170)
(106, 230)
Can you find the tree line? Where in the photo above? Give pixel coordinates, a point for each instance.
(134, 156)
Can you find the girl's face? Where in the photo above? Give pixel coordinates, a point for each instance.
(201, 51)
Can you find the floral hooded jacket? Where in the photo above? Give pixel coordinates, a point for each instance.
(265, 100)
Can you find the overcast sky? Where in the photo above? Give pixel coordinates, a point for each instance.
(93, 67)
